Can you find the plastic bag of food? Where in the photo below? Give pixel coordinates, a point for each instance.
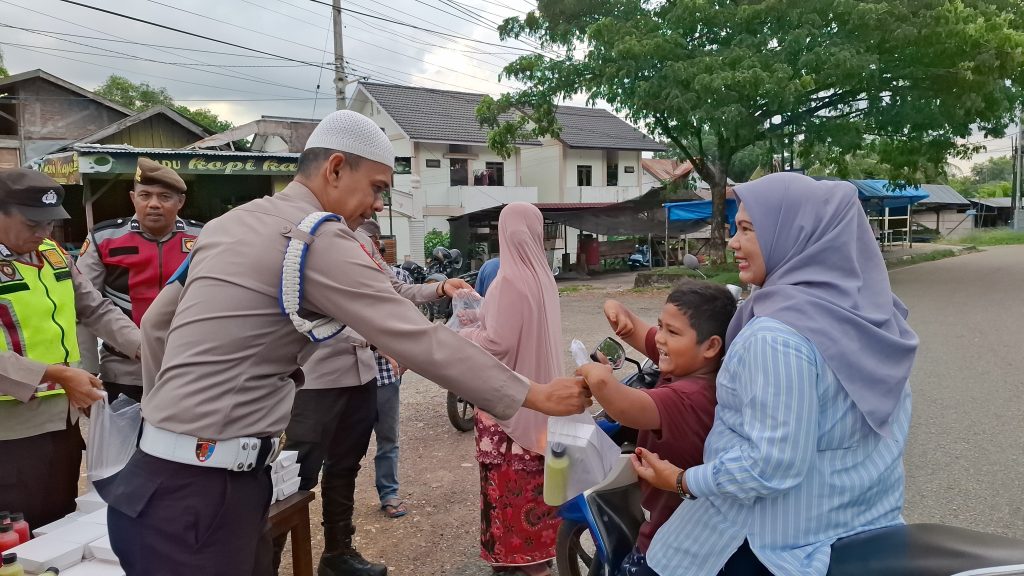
(465, 310)
(113, 436)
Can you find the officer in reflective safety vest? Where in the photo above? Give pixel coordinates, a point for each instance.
(130, 259)
(42, 295)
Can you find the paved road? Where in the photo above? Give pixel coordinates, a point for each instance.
(965, 457)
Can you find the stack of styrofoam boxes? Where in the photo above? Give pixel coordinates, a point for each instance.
(285, 472)
(76, 544)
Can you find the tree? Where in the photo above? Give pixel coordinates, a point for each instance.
(141, 96)
(716, 77)
(3, 69)
(434, 239)
(993, 170)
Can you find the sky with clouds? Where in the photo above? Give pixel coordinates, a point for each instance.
(445, 44)
(85, 46)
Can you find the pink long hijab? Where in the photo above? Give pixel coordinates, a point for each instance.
(520, 319)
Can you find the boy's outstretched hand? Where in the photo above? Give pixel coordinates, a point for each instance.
(597, 375)
(619, 318)
(659, 473)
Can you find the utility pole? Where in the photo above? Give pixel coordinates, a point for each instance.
(339, 57)
(1018, 190)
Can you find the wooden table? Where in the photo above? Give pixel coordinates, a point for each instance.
(292, 515)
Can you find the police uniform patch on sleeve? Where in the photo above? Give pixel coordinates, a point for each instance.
(85, 246)
(55, 258)
(9, 273)
(187, 244)
(5, 252)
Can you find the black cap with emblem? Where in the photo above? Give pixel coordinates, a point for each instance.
(34, 194)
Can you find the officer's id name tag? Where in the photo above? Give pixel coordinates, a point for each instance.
(55, 259)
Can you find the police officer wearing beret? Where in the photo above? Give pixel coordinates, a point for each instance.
(194, 497)
(129, 259)
(42, 295)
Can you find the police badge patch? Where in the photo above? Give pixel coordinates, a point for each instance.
(187, 244)
(9, 273)
(204, 449)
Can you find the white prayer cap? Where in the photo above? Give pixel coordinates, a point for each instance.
(348, 131)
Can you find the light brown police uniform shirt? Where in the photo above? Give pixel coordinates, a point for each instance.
(230, 351)
(19, 376)
(347, 359)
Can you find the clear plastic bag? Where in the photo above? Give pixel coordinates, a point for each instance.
(113, 436)
(465, 310)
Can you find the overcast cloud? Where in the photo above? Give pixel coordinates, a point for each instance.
(241, 88)
(245, 85)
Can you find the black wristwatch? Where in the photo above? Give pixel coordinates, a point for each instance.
(679, 487)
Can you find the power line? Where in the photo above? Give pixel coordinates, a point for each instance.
(186, 66)
(112, 35)
(379, 47)
(180, 31)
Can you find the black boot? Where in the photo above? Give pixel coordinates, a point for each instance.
(349, 563)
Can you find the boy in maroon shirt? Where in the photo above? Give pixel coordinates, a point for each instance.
(675, 417)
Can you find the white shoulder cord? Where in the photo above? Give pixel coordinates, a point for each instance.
(291, 282)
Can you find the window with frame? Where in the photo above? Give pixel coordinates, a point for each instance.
(403, 165)
(495, 173)
(613, 175)
(584, 175)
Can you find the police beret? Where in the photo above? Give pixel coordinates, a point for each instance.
(34, 194)
(152, 173)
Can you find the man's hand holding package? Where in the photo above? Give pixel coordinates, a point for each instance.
(81, 387)
(453, 285)
(560, 397)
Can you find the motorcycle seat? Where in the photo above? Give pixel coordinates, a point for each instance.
(924, 550)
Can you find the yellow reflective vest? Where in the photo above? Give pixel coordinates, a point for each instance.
(37, 308)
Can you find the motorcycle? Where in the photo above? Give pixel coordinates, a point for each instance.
(443, 264)
(600, 526)
(640, 258)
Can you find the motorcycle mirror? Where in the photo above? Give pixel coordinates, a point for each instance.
(612, 350)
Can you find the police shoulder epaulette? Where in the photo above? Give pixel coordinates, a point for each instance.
(109, 224)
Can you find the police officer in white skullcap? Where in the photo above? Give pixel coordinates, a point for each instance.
(227, 343)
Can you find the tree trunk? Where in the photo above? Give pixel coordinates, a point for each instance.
(718, 219)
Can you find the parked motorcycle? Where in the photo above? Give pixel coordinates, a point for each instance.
(600, 526)
(640, 258)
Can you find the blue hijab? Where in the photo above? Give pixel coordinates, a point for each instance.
(827, 280)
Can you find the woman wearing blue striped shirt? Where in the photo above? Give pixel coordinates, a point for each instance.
(813, 395)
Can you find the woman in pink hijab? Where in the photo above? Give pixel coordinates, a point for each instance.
(520, 324)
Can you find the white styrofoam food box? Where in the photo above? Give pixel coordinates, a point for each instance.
(101, 550)
(39, 554)
(90, 502)
(95, 568)
(69, 519)
(288, 488)
(78, 532)
(285, 459)
(288, 474)
(97, 517)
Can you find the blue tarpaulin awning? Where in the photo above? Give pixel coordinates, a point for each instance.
(699, 212)
(879, 194)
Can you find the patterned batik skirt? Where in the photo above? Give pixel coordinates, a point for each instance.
(516, 527)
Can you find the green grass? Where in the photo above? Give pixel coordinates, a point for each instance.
(997, 237)
(573, 289)
(920, 258)
(720, 274)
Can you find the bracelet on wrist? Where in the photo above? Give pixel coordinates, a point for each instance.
(679, 487)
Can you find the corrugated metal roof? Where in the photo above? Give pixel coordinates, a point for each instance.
(993, 202)
(666, 170)
(942, 194)
(124, 149)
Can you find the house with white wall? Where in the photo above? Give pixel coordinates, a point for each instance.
(444, 168)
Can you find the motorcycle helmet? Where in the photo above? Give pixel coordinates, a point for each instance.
(456, 258)
(441, 254)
